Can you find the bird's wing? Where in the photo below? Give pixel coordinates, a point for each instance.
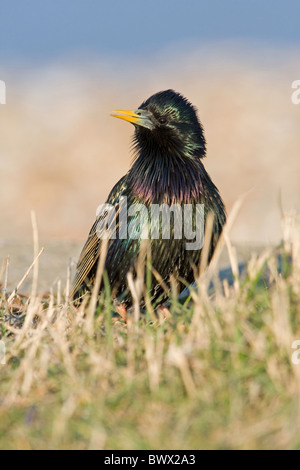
(92, 248)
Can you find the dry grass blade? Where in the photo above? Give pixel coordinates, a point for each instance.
(177, 357)
(97, 284)
(226, 230)
(35, 254)
(16, 290)
(207, 240)
(4, 269)
(233, 261)
(137, 285)
(160, 280)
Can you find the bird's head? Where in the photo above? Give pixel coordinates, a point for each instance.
(168, 123)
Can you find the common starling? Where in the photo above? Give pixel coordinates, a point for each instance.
(169, 146)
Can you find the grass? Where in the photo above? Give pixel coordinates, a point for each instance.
(218, 374)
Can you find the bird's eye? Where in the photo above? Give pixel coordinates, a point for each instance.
(162, 120)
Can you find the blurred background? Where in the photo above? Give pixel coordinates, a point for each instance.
(67, 64)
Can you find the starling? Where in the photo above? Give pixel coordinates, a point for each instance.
(167, 171)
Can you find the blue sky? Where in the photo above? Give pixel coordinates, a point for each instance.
(45, 30)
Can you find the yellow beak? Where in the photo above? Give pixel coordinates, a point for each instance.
(139, 117)
(130, 116)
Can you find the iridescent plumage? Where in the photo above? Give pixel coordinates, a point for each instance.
(169, 146)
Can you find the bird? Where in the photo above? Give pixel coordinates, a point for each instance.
(167, 169)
